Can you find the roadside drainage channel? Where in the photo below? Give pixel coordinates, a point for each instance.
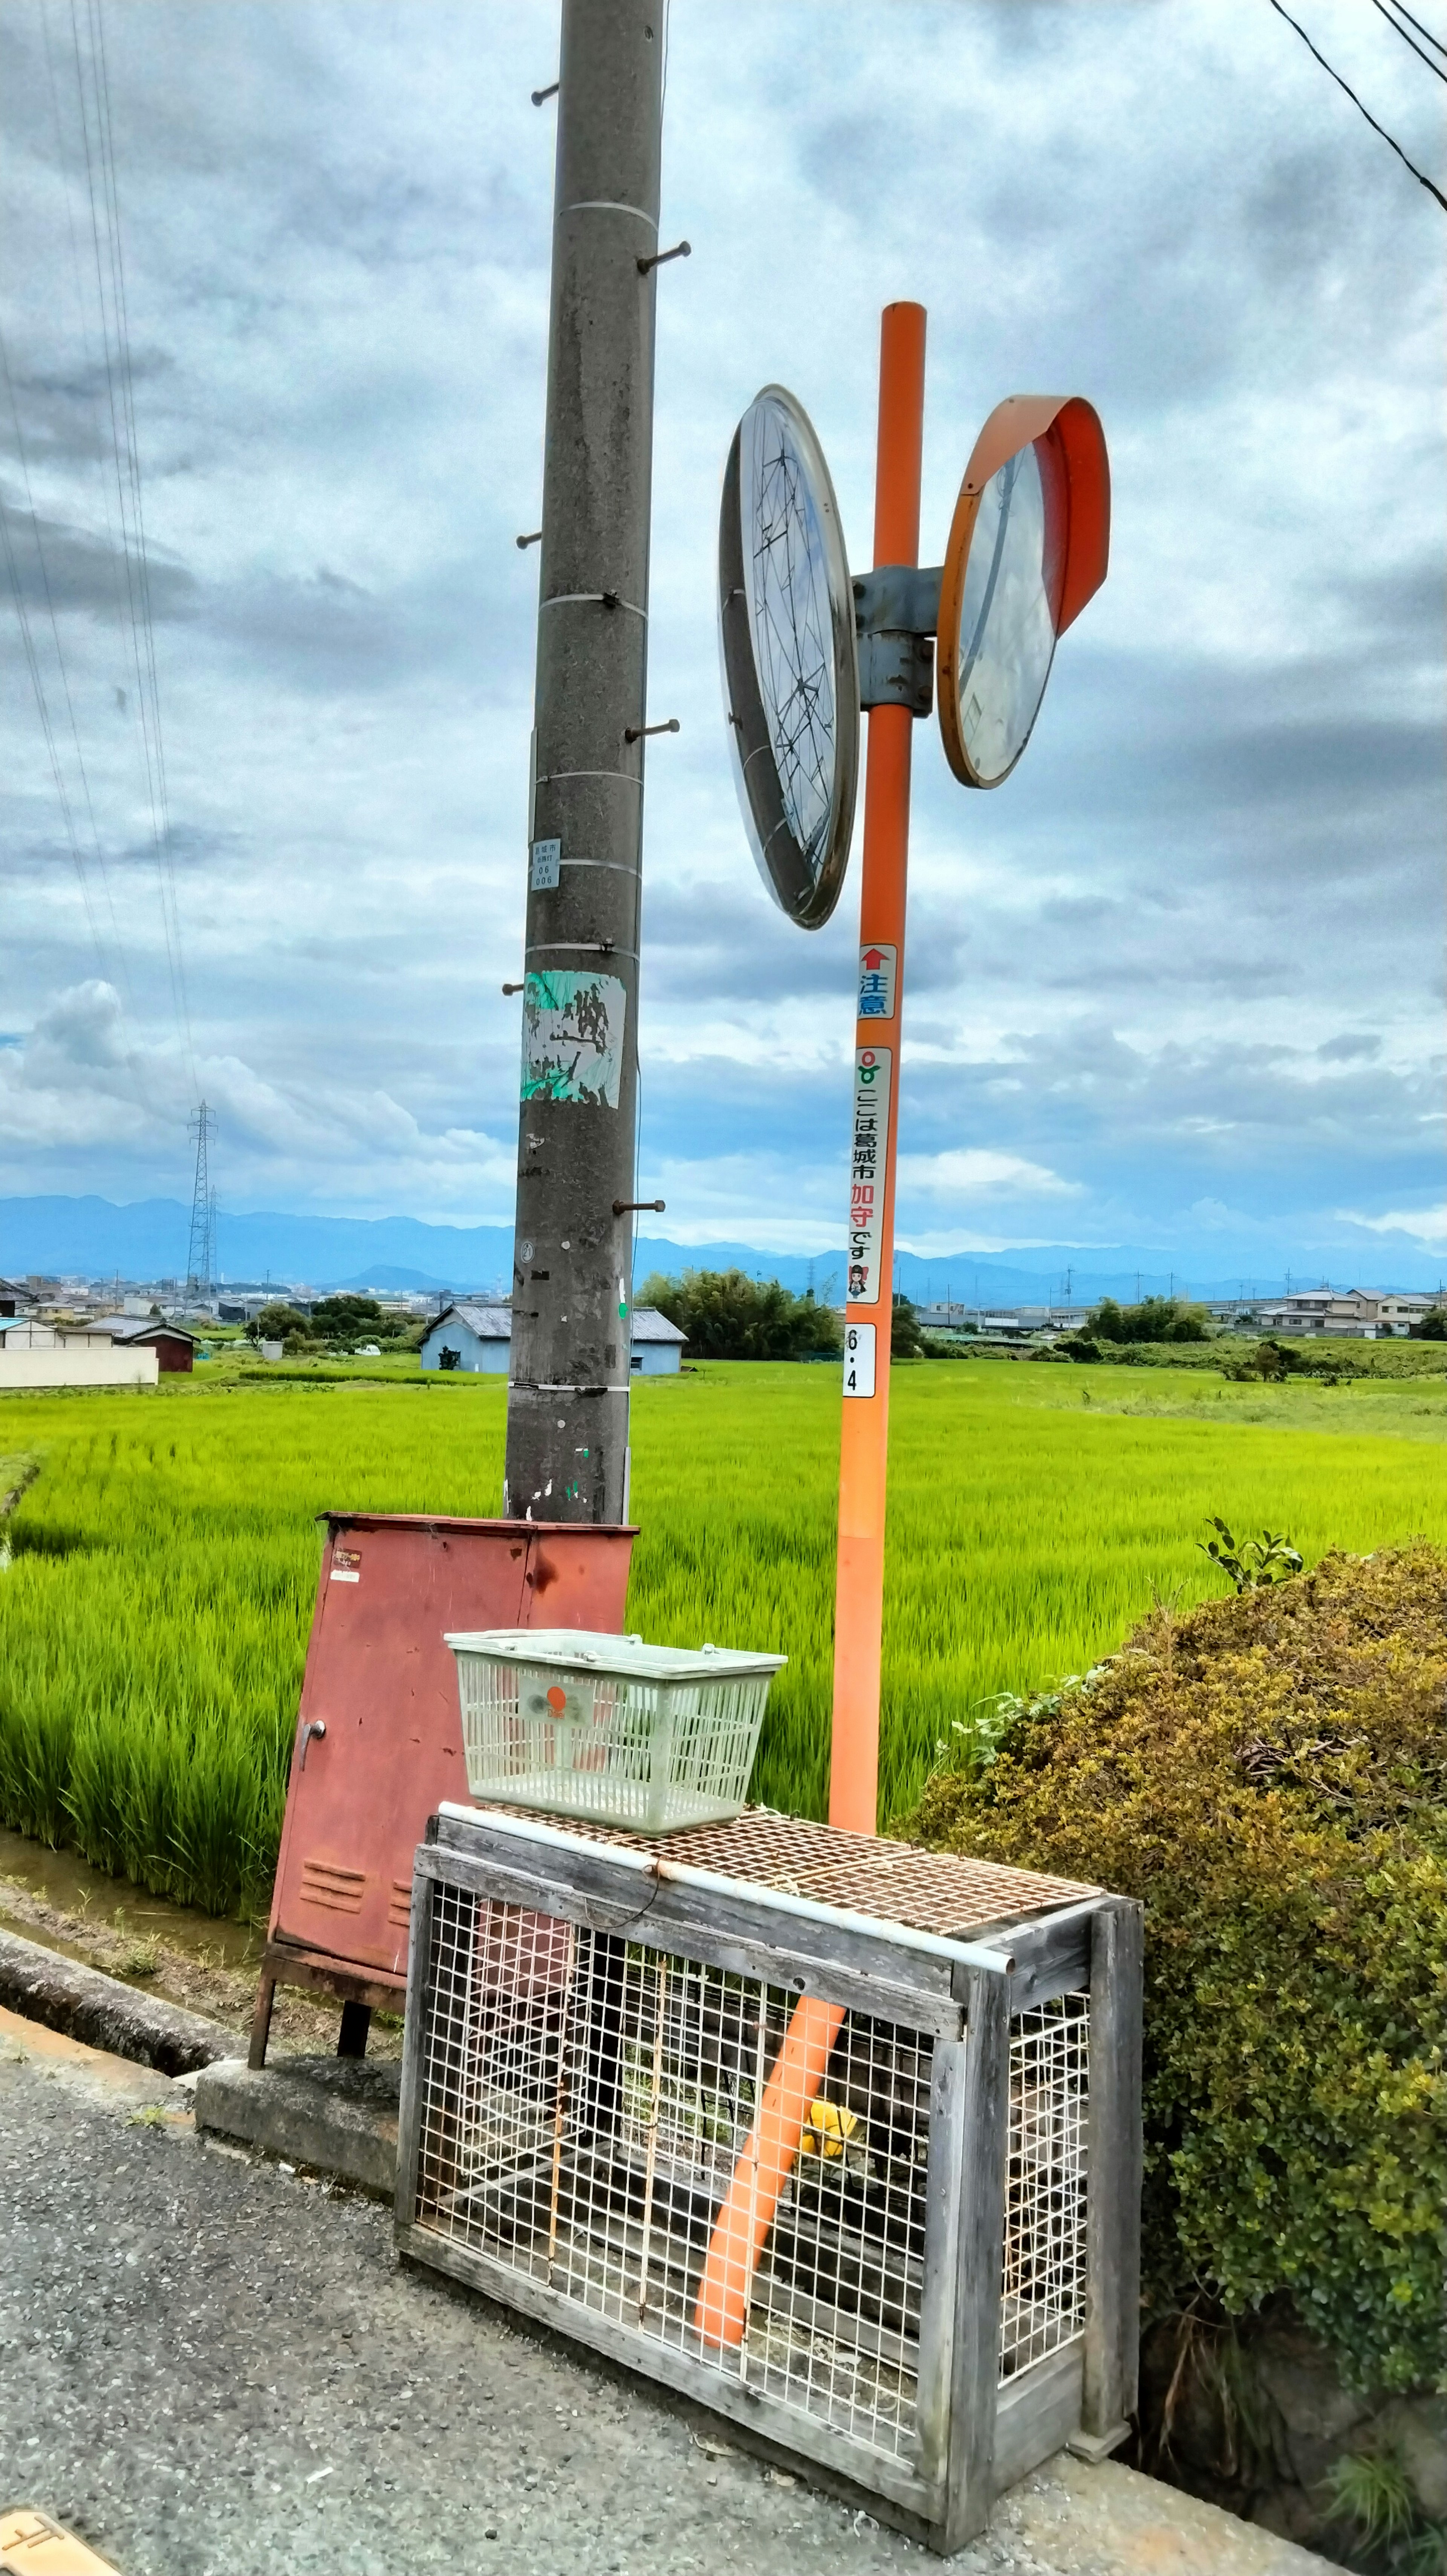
(86, 2005)
(199, 1965)
(337, 2115)
(74, 1889)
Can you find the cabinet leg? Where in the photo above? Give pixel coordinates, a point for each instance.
(261, 2020)
(352, 2037)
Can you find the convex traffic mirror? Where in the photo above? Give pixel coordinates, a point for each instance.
(1028, 545)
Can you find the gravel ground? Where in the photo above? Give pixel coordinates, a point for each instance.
(212, 2367)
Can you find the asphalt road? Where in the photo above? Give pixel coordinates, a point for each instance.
(212, 2367)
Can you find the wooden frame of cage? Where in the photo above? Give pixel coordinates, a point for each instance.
(974, 2434)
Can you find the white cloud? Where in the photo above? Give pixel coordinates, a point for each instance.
(80, 1084)
(972, 1172)
(1189, 955)
(1426, 1226)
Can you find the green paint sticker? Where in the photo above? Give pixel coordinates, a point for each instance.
(573, 1038)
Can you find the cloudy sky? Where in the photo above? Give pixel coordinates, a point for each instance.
(1177, 984)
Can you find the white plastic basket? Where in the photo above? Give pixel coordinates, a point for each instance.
(647, 1737)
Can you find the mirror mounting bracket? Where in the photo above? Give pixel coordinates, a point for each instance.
(896, 618)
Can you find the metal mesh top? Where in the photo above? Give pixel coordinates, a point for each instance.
(897, 1882)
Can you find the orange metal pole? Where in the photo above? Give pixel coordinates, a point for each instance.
(746, 2213)
(864, 1439)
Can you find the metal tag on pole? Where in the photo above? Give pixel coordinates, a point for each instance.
(572, 1288)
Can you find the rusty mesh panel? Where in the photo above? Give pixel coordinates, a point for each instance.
(586, 2104)
(1044, 2274)
(865, 1873)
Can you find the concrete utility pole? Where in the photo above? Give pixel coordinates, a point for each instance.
(567, 1424)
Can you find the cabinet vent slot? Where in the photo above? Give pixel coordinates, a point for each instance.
(339, 1890)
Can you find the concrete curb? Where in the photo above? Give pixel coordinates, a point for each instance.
(338, 2114)
(85, 2005)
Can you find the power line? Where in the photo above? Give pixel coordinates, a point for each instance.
(1432, 40)
(134, 456)
(1419, 175)
(48, 730)
(134, 599)
(119, 971)
(1399, 30)
(161, 806)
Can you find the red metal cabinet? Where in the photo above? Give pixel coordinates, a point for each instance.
(379, 1735)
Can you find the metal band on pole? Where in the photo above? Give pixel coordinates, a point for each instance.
(864, 1440)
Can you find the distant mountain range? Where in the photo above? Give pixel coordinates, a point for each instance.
(92, 1238)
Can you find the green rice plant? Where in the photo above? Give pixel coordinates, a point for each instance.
(154, 1613)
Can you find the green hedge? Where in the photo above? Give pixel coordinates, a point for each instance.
(1269, 1774)
(1318, 1355)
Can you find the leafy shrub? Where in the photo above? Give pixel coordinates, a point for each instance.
(1269, 1774)
(275, 1322)
(906, 1342)
(728, 1316)
(1274, 1359)
(1155, 1319)
(1250, 1562)
(346, 1318)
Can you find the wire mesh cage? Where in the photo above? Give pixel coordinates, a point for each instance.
(610, 1729)
(837, 2176)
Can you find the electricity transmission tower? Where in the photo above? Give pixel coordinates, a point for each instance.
(200, 1257)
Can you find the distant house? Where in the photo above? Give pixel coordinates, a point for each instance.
(15, 1297)
(1348, 1311)
(47, 1355)
(657, 1345)
(27, 1332)
(1397, 1314)
(480, 1338)
(469, 1337)
(174, 1347)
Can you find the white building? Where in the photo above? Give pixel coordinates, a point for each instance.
(1348, 1311)
(480, 1338)
(37, 1355)
(1397, 1313)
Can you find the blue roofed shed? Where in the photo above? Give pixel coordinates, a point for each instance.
(477, 1337)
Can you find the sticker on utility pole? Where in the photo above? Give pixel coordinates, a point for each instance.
(573, 1038)
(859, 1359)
(876, 981)
(546, 867)
(868, 1162)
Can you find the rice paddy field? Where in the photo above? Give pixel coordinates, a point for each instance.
(162, 1556)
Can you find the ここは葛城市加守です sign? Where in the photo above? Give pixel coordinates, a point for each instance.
(868, 1166)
